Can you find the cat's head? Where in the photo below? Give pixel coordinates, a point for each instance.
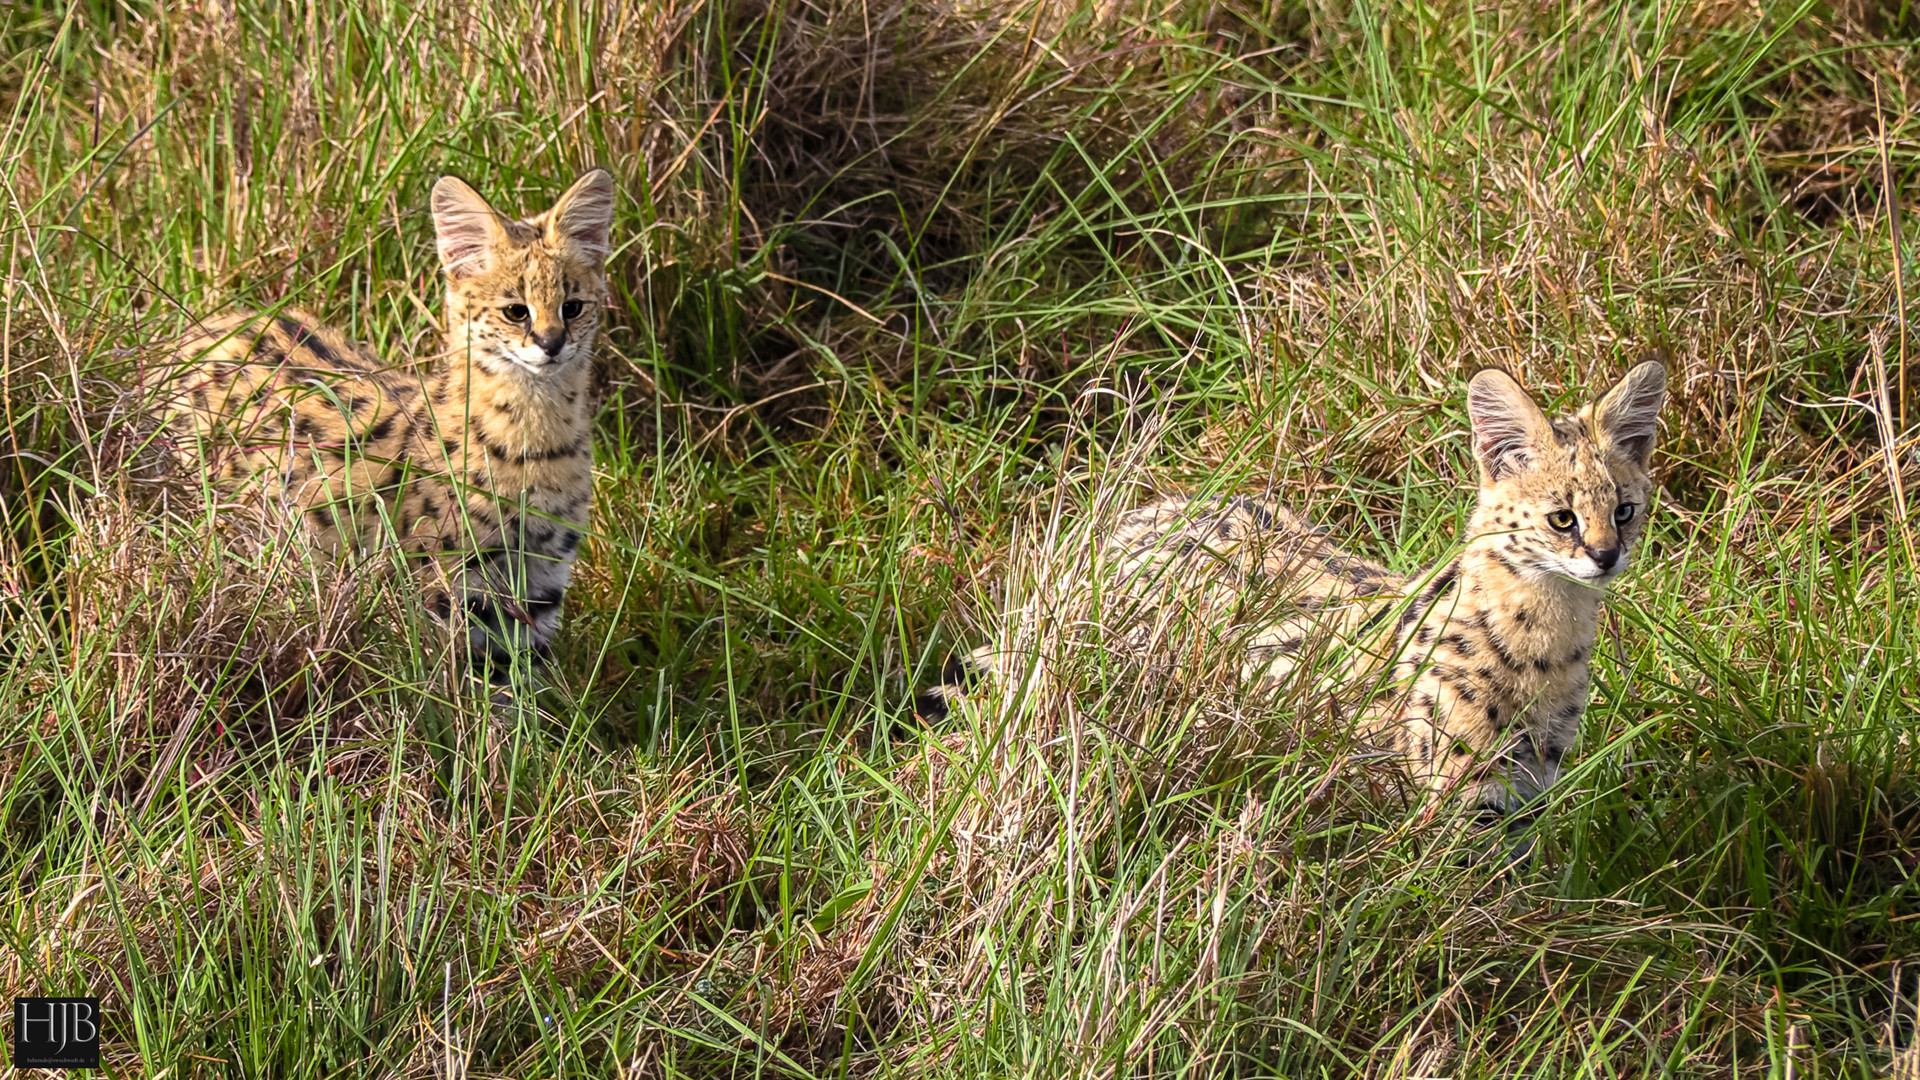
(524, 297)
(1564, 498)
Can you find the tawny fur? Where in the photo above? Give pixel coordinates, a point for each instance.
(481, 470)
(1479, 667)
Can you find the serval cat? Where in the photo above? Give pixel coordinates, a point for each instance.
(1476, 671)
(482, 468)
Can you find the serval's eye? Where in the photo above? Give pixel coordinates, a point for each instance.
(1562, 520)
(515, 312)
(572, 309)
(1623, 513)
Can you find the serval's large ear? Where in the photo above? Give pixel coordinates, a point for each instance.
(1509, 430)
(584, 215)
(466, 227)
(1627, 417)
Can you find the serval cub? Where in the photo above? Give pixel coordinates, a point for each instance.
(1475, 672)
(482, 468)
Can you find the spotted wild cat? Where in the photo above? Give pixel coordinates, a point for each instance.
(1478, 669)
(481, 469)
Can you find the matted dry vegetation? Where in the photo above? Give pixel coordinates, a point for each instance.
(909, 295)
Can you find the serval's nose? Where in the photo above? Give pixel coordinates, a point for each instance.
(551, 340)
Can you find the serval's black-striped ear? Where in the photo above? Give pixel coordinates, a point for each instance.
(1509, 430)
(584, 215)
(466, 227)
(1627, 417)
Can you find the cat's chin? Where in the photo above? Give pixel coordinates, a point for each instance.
(1584, 572)
(538, 366)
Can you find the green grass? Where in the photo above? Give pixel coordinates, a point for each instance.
(902, 293)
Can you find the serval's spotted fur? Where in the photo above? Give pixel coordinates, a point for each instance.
(482, 468)
(1479, 666)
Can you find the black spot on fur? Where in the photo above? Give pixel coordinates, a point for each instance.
(958, 675)
(1262, 516)
(1375, 619)
(1440, 583)
(484, 611)
(1505, 563)
(1500, 650)
(268, 352)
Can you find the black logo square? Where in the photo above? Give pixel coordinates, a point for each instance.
(56, 1033)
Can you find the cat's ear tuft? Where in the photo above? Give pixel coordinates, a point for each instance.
(584, 215)
(466, 227)
(1627, 417)
(1509, 430)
